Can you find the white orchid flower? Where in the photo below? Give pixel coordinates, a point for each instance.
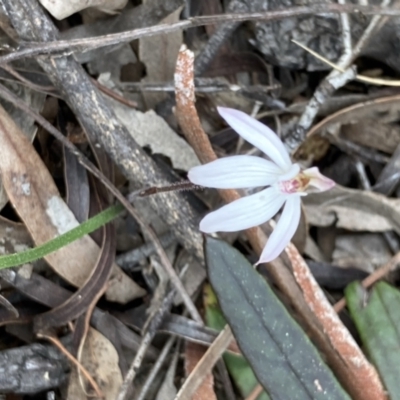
(286, 184)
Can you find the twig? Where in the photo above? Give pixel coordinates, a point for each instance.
(358, 77)
(156, 368)
(223, 32)
(350, 147)
(362, 174)
(326, 88)
(126, 260)
(371, 279)
(74, 361)
(27, 82)
(346, 34)
(202, 85)
(114, 95)
(339, 117)
(206, 363)
(106, 40)
(333, 82)
(152, 326)
(371, 28)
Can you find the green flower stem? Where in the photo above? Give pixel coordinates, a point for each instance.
(13, 260)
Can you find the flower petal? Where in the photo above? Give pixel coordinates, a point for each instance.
(244, 213)
(258, 134)
(317, 180)
(284, 230)
(291, 173)
(235, 172)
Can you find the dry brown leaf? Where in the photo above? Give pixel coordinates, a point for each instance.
(149, 129)
(100, 358)
(193, 354)
(13, 237)
(373, 133)
(61, 9)
(384, 109)
(35, 197)
(354, 210)
(366, 251)
(159, 54)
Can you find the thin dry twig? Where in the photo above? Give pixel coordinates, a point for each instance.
(334, 80)
(114, 95)
(151, 327)
(358, 77)
(371, 279)
(222, 33)
(211, 356)
(74, 361)
(339, 116)
(123, 37)
(27, 82)
(206, 85)
(156, 368)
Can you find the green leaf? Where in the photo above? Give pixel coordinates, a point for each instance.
(377, 318)
(238, 367)
(281, 355)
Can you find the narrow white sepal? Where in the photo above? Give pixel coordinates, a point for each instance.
(244, 213)
(258, 134)
(236, 172)
(284, 230)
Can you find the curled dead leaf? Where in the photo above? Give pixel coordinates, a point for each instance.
(354, 210)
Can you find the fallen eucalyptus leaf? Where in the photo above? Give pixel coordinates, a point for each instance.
(354, 210)
(148, 129)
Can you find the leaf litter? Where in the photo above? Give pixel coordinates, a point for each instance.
(348, 129)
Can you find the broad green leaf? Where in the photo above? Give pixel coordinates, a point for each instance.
(377, 318)
(282, 357)
(238, 367)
